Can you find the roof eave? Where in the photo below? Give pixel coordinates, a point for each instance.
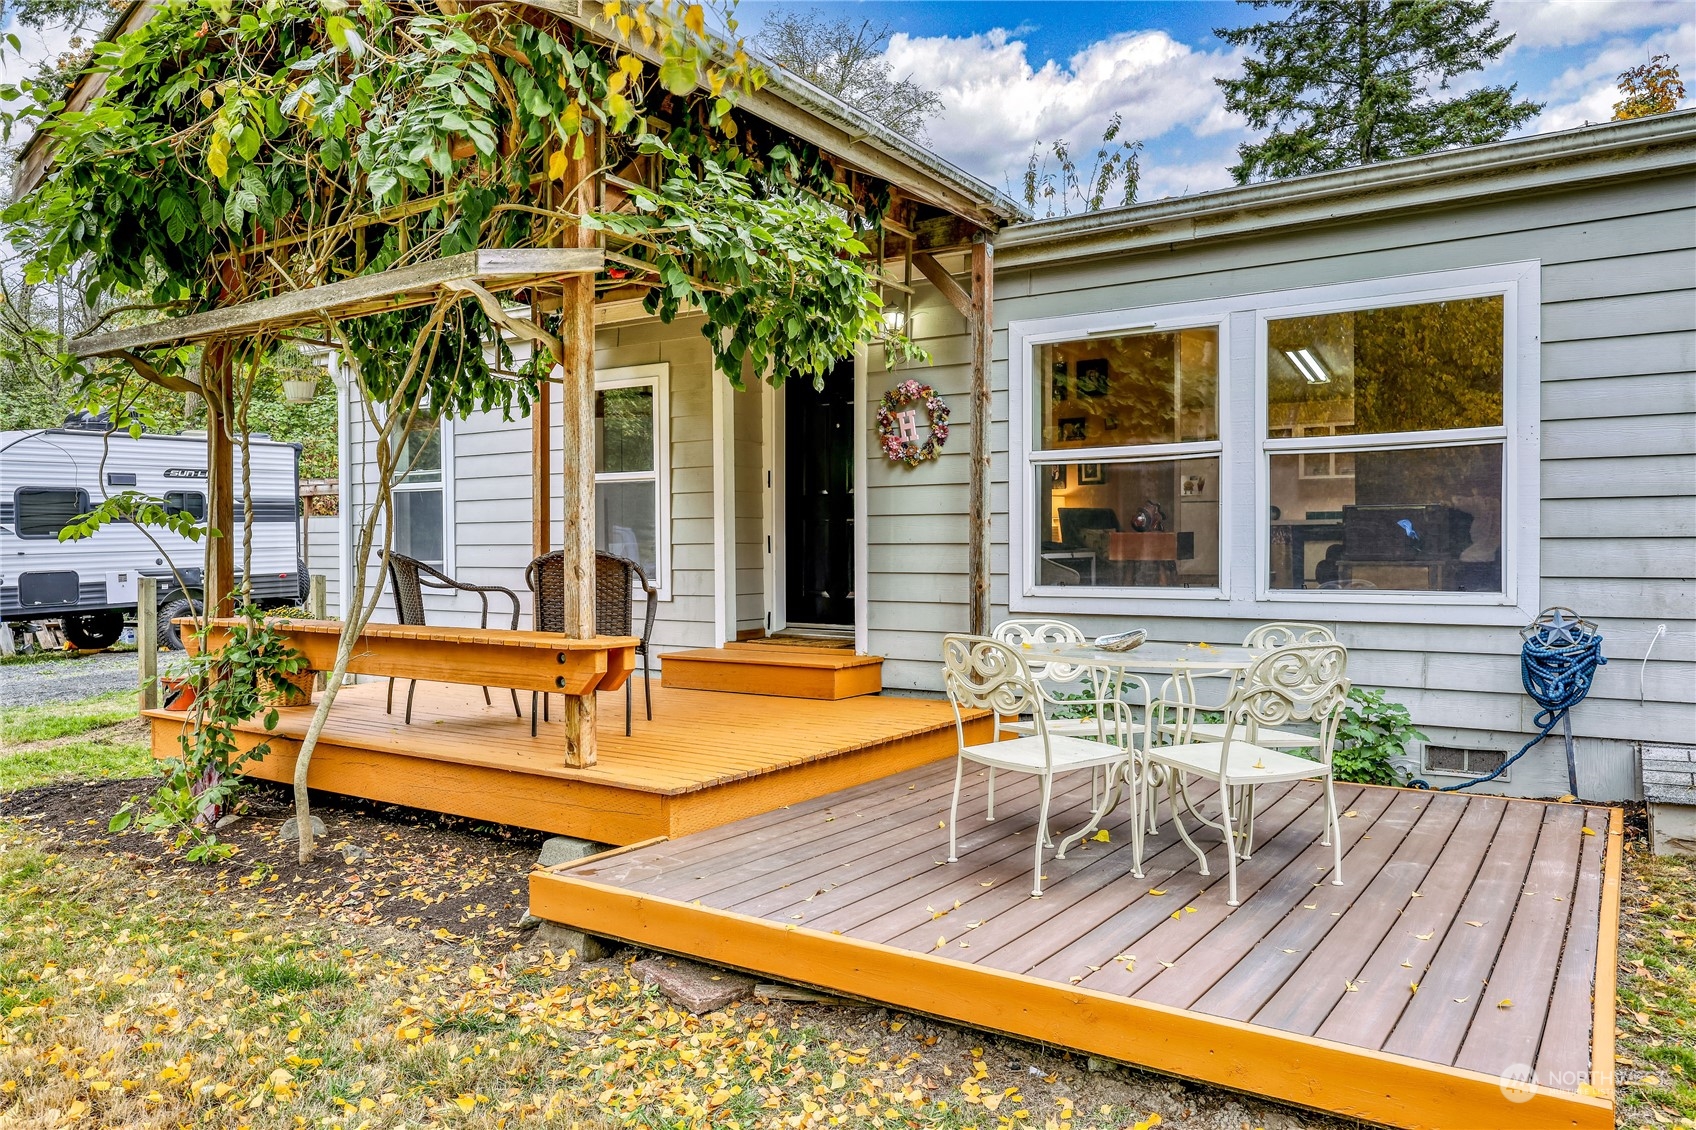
(1610, 151)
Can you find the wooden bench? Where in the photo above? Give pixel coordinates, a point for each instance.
(485, 657)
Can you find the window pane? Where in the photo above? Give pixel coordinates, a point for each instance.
(1119, 525)
(420, 458)
(1425, 520)
(1415, 368)
(190, 502)
(624, 429)
(1129, 389)
(624, 523)
(44, 511)
(418, 525)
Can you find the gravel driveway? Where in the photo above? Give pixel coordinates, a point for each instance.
(67, 679)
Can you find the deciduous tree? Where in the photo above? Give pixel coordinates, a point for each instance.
(846, 59)
(1349, 82)
(1652, 88)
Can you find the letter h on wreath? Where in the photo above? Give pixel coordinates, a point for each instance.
(909, 425)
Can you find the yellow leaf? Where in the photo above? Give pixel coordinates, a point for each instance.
(465, 1103)
(1505, 1002)
(1350, 987)
(1155, 891)
(695, 19)
(1413, 987)
(940, 942)
(1426, 937)
(1589, 831)
(1102, 837)
(1475, 923)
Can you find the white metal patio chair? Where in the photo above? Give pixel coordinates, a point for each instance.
(1300, 682)
(1067, 687)
(982, 673)
(1279, 633)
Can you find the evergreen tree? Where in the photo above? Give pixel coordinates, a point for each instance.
(1350, 82)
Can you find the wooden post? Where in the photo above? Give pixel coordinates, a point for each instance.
(577, 442)
(147, 640)
(982, 328)
(218, 583)
(541, 471)
(317, 597)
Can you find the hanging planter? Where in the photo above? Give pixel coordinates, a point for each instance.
(300, 391)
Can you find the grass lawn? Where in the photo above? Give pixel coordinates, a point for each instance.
(1657, 990)
(97, 737)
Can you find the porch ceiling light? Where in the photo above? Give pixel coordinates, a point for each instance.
(1308, 366)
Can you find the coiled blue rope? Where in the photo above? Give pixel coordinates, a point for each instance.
(1557, 664)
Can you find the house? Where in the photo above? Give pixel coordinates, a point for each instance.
(1417, 402)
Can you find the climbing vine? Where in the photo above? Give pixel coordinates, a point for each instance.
(238, 151)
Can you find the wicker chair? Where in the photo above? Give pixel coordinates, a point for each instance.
(408, 578)
(616, 579)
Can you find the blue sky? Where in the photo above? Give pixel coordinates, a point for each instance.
(1012, 74)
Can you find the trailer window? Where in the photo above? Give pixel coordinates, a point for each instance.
(44, 511)
(190, 502)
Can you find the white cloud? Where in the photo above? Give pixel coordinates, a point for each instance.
(998, 104)
(38, 47)
(1565, 23)
(1587, 92)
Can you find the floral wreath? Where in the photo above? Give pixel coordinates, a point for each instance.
(903, 449)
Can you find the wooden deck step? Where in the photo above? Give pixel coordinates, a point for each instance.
(783, 672)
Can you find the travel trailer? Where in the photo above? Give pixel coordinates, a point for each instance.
(49, 476)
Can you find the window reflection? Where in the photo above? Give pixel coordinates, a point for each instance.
(1415, 519)
(1122, 525)
(1128, 389)
(1422, 367)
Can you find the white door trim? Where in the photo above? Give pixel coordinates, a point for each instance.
(774, 447)
(862, 565)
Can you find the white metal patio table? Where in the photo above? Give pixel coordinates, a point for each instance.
(1150, 658)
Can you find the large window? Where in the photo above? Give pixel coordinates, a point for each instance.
(420, 505)
(1384, 447)
(1126, 460)
(630, 457)
(43, 511)
(1357, 449)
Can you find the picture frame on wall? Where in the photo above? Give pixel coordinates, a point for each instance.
(1092, 474)
(1060, 382)
(1092, 377)
(1074, 429)
(1057, 476)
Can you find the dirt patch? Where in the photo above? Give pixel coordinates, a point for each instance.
(377, 865)
(134, 731)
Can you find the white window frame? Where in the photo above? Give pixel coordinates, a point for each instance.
(1024, 337)
(658, 376)
(450, 538)
(1244, 500)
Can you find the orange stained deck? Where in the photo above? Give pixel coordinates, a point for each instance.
(1455, 980)
(706, 757)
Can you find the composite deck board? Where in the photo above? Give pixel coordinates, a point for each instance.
(1227, 969)
(867, 868)
(1147, 929)
(1435, 1020)
(1531, 952)
(1327, 970)
(1564, 1054)
(1365, 1018)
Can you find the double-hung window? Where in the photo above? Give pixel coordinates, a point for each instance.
(1366, 450)
(631, 448)
(421, 524)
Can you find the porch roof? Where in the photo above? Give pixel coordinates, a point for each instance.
(491, 270)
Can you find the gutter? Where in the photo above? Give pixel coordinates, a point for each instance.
(1611, 151)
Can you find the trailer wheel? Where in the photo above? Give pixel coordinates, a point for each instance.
(172, 609)
(94, 631)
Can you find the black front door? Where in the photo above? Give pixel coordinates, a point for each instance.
(819, 443)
